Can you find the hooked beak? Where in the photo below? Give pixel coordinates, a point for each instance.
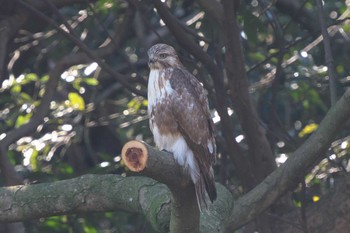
(151, 61)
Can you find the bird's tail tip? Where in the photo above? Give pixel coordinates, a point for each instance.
(201, 187)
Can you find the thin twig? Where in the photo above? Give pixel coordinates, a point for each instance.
(328, 53)
(303, 206)
(60, 16)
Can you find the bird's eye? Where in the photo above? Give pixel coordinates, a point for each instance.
(163, 55)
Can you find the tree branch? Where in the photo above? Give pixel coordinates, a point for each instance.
(261, 155)
(328, 53)
(213, 8)
(140, 157)
(288, 175)
(95, 193)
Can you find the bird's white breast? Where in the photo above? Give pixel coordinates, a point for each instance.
(158, 90)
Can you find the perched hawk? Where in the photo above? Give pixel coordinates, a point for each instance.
(180, 119)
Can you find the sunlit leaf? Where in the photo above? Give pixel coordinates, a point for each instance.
(257, 56)
(135, 104)
(315, 198)
(44, 79)
(76, 101)
(308, 129)
(76, 83)
(66, 169)
(25, 96)
(89, 229)
(23, 119)
(297, 203)
(91, 81)
(33, 160)
(31, 77)
(145, 103)
(16, 88)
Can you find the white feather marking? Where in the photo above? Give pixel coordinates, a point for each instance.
(178, 146)
(155, 92)
(210, 147)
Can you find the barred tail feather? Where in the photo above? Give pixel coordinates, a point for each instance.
(205, 183)
(200, 194)
(209, 181)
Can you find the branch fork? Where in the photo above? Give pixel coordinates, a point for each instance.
(161, 166)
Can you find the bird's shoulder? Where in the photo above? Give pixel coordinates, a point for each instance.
(182, 81)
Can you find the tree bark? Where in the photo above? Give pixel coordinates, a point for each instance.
(140, 157)
(95, 193)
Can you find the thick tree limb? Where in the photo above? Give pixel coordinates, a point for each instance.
(288, 175)
(260, 152)
(93, 193)
(140, 157)
(146, 158)
(213, 8)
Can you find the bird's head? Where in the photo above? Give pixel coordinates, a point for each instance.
(162, 56)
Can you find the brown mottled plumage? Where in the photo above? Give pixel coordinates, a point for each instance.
(180, 119)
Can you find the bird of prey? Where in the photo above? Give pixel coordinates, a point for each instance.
(180, 119)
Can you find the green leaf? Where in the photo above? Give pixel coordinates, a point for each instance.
(31, 77)
(91, 81)
(25, 96)
(45, 78)
(76, 83)
(21, 120)
(33, 160)
(76, 101)
(308, 129)
(16, 88)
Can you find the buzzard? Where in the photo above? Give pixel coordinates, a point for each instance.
(180, 120)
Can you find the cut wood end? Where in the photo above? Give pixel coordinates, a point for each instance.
(134, 155)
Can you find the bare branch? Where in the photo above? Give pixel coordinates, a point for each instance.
(140, 157)
(213, 8)
(262, 157)
(8, 27)
(328, 53)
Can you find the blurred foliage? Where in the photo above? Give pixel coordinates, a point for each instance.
(92, 115)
